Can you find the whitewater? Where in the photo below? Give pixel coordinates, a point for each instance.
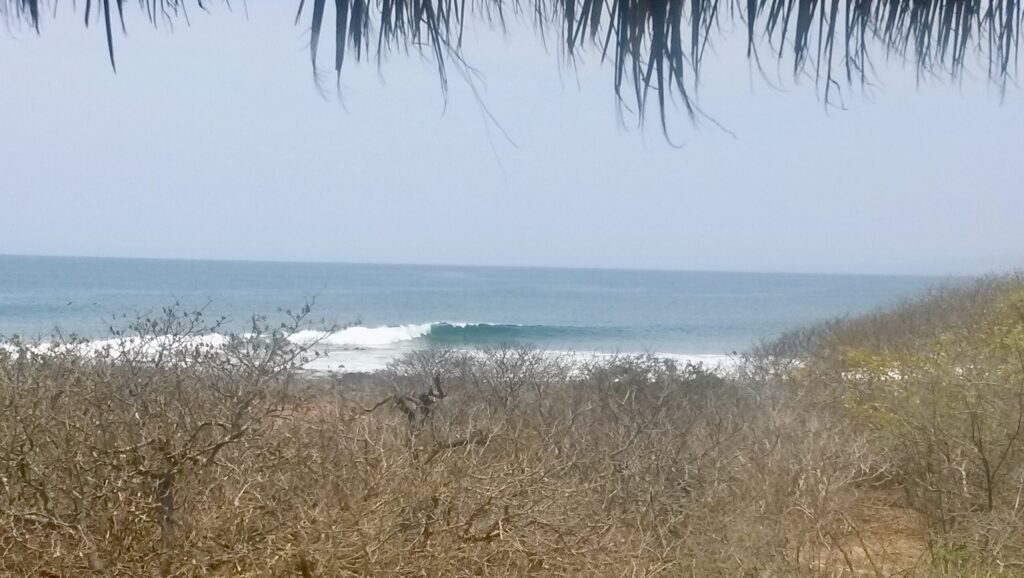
(354, 349)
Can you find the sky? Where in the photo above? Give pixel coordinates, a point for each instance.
(213, 142)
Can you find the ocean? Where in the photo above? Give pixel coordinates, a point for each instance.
(700, 316)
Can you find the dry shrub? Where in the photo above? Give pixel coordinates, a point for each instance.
(178, 459)
(937, 387)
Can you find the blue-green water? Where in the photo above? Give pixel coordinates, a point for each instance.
(401, 306)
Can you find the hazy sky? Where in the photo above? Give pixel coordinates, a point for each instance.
(212, 142)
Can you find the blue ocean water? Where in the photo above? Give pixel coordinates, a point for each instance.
(402, 306)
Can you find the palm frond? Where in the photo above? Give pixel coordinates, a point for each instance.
(657, 46)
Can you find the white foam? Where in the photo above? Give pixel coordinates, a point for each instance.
(359, 336)
(118, 346)
(707, 360)
(342, 361)
(350, 350)
(377, 359)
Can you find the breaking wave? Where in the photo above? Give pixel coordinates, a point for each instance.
(447, 333)
(364, 349)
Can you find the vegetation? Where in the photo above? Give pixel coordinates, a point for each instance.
(654, 44)
(884, 445)
(939, 387)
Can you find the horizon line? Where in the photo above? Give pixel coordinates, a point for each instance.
(492, 266)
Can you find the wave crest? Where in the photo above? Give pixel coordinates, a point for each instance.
(360, 336)
(442, 332)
